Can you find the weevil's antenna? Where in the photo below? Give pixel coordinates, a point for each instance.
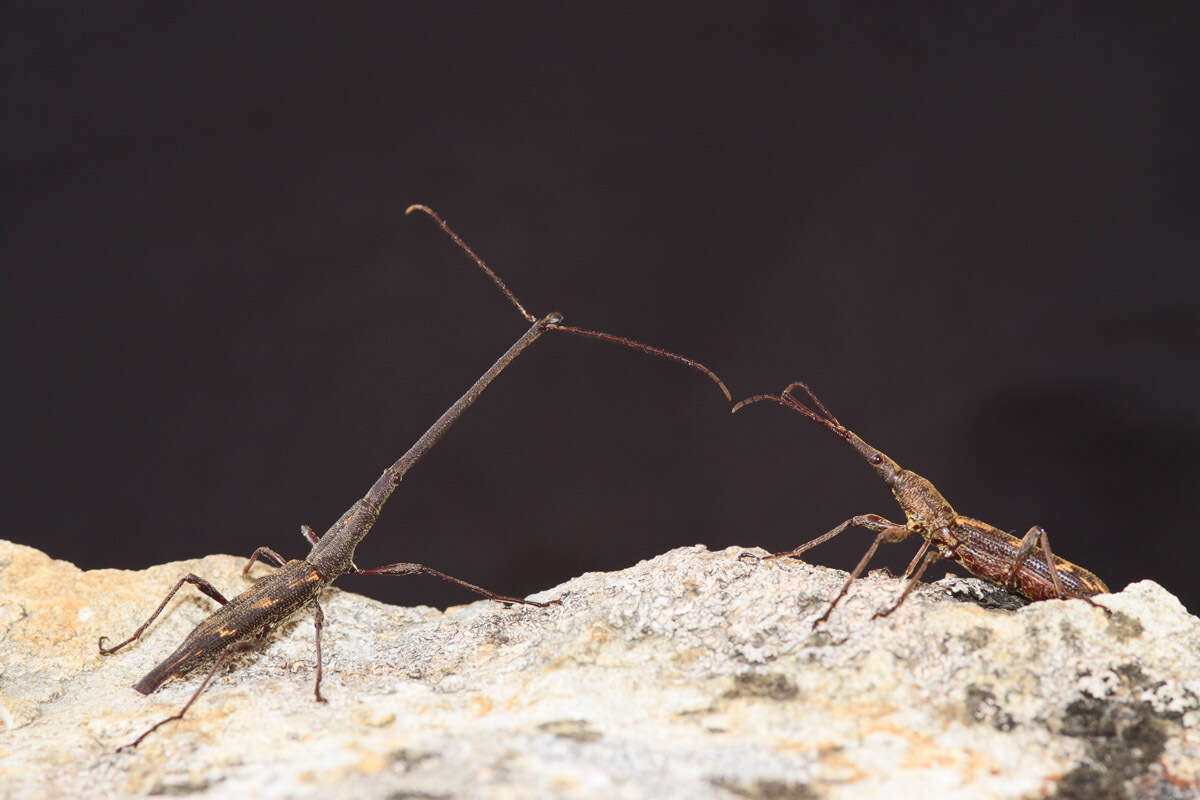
(787, 401)
(787, 393)
(474, 256)
(554, 321)
(645, 348)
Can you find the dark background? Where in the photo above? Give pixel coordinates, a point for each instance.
(972, 231)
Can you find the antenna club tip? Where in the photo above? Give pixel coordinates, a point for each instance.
(415, 207)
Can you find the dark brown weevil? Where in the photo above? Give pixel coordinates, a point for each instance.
(246, 619)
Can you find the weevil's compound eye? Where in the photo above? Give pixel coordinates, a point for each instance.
(877, 459)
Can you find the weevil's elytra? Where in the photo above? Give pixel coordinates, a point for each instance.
(1026, 565)
(246, 619)
(268, 600)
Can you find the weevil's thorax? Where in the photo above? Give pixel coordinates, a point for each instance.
(333, 554)
(923, 506)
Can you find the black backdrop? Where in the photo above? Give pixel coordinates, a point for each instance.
(972, 231)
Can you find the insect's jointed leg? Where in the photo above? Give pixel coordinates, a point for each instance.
(929, 559)
(196, 581)
(319, 619)
(309, 534)
(407, 568)
(1037, 536)
(887, 532)
(872, 522)
(920, 554)
(262, 553)
(1034, 536)
(236, 647)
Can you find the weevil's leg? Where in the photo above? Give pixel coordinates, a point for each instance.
(1037, 534)
(920, 553)
(236, 647)
(929, 559)
(319, 618)
(1027, 543)
(406, 568)
(263, 553)
(196, 581)
(872, 522)
(1032, 537)
(894, 533)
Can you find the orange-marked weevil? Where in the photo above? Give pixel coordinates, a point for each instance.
(241, 623)
(1025, 566)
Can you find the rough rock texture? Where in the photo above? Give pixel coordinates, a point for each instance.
(694, 674)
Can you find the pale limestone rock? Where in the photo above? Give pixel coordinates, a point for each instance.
(694, 674)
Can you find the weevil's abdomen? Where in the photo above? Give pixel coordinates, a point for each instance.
(268, 601)
(988, 552)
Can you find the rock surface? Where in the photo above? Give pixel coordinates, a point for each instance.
(694, 674)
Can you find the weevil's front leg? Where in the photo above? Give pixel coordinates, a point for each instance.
(872, 522)
(407, 568)
(887, 532)
(262, 553)
(319, 618)
(236, 647)
(195, 580)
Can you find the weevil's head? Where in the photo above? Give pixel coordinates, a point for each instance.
(923, 504)
(887, 469)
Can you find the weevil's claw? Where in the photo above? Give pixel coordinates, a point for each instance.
(748, 557)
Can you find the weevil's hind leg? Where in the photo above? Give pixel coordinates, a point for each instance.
(262, 553)
(237, 647)
(201, 584)
(1028, 542)
(1037, 536)
(872, 522)
(929, 559)
(319, 618)
(406, 568)
(894, 533)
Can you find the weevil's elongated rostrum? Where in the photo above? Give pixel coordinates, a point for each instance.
(246, 619)
(1023, 565)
